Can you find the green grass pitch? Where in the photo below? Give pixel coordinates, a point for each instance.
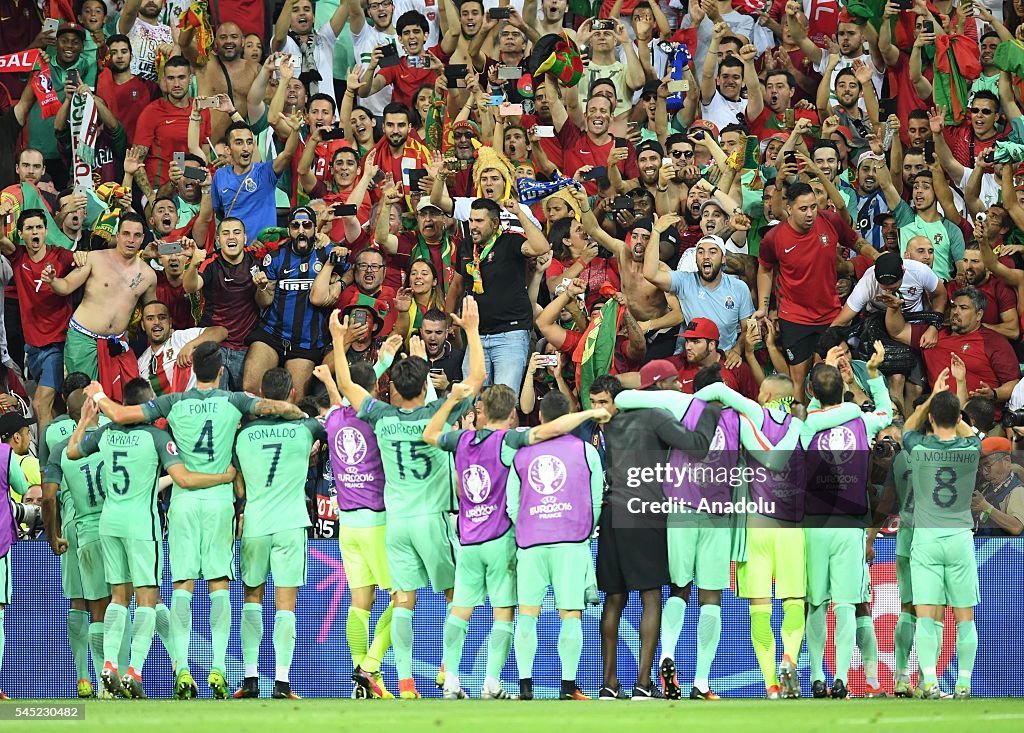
(208, 716)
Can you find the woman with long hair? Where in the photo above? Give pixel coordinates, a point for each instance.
(421, 99)
(575, 254)
(426, 290)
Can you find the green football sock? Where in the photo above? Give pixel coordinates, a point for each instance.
(142, 636)
(792, 628)
(357, 634)
(252, 637)
(220, 627)
(845, 638)
(570, 646)
(817, 632)
(498, 645)
(526, 645)
(709, 632)
(163, 629)
(454, 637)
(124, 653)
(381, 641)
(401, 636)
(867, 642)
(181, 628)
(762, 637)
(96, 646)
(671, 625)
(78, 638)
(903, 641)
(929, 642)
(966, 651)
(114, 620)
(284, 643)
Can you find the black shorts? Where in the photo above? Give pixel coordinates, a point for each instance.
(662, 344)
(799, 341)
(285, 351)
(630, 559)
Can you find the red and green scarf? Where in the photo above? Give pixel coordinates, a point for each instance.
(595, 351)
(473, 268)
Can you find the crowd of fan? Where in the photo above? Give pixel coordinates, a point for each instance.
(717, 182)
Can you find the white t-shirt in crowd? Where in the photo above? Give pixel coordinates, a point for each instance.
(918, 282)
(323, 56)
(166, 356)
(368, 39)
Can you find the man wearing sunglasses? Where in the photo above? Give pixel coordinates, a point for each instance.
(291, 330)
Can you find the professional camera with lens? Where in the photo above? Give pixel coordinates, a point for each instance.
(1013, 418)
(885, 448)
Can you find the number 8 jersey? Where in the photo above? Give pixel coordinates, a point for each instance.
(942, 475)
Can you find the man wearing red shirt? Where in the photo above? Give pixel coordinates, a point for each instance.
(767, 114)
(44, 330)
(417, 68)
(1000, 315)
(991, 366)
(162, 128)
(702, 336)
(803, 251)
(592, 146)
(125, 94)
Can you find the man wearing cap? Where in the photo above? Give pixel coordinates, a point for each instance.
(430, 241)
(922, 218)
(700, 350)
(913, 282)
(707, 293)
(291, 330)
(804, 249)
(632, 549)
(998, 502)
(245, 189)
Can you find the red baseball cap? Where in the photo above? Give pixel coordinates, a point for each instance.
(990, 446)
(701, 328)
(654, 371)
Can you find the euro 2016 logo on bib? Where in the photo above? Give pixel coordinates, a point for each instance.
(350, 445)
(717, 446)
(837, 445)
(546, 475)
(476, 482)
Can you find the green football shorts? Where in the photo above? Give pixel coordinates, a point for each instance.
(70, 573)
(487, 570)
(6, 579)
(282, 554)
(944, 570)
(421, 549)
(201, 539)
(835, 565)
(126, 560)
(94, 577)
(773, 553)
(364, 556)
(562, 567)
(699, 551)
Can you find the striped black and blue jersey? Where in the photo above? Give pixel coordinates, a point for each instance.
(291, 317)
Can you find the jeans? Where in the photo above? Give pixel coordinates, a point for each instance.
(233, 360)
(505, 358)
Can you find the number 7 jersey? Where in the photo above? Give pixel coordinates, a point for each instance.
(204, 423)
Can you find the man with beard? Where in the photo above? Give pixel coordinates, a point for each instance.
(848, 107)
(430, 241)
(167, 360)
(992, 369)
(245, 189)
(649, 155)
(707, 293)
(443, 358)
(314, 48)
(170, 288)
(367, 291)
(291, 328)
(162, 127)
(1001, 312)
(140, 22)
(874, 195)
(700, 350)
(47, 313)
(125, 93)
(913, 163)
(925, 220)
(227, 281)
(804, 249)
(593, 144)
(224, 72)
(115, 280)
(825, 155)
(399, 150)
(655, 313)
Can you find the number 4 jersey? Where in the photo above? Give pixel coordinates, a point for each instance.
(204, 423)
(417, 476)
(273, 456)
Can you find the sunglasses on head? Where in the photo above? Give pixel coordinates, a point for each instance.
(301, 224)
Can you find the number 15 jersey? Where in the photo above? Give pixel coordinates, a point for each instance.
(417, 476)
(204, 423)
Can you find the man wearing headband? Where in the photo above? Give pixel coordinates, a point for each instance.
(291, 331)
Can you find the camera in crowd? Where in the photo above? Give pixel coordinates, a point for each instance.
(1013, 418)
(885, 448)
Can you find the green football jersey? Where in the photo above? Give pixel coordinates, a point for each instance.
(943, 475)
(273, 457)
(81, 483)
(418, 478)
(905, 498)
(58, 432)
(204, 423)
(132, 457)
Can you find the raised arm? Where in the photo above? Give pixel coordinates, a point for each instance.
(655, 271)
(352, 392)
